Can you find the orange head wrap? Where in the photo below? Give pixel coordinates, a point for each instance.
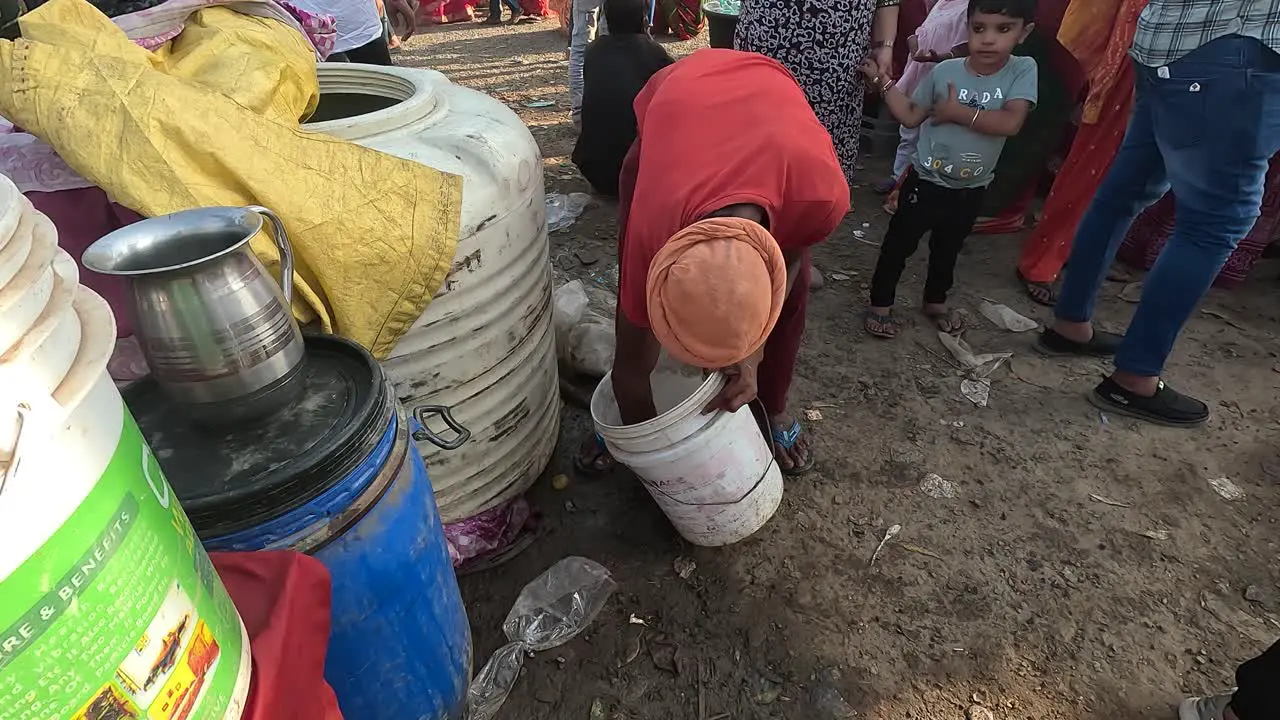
(715, 291)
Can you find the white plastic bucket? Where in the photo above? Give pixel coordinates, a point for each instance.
(12, 207)
(15, 248)
(24, 297)
(103, 583)
(713, 475)
(43, 357)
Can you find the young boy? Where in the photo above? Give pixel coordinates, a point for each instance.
(965, 109)
(940, 37)
(617, 67)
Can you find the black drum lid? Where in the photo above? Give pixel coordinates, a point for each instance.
(230, 479)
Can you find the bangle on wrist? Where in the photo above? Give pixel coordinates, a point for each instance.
(882, 44)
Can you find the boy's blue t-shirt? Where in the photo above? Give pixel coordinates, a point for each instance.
(953, 155)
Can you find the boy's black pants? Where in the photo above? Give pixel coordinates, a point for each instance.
(947, 214)
(1258, 694)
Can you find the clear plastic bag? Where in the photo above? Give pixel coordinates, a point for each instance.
(585, 332)
(550, 611)
(563, 210)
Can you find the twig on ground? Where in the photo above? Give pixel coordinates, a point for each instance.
(922, 551)
(1108, 501)
(940, 356)
(702, 693)
(888, 535)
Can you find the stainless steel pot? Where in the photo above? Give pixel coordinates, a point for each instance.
(216, 330)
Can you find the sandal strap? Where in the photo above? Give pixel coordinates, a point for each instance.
(787, 438)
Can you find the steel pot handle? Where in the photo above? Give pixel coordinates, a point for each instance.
(422, 413)
(282, 244)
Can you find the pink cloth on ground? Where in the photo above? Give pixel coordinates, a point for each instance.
(945, 27)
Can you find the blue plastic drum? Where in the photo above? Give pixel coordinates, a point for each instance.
(354, 493)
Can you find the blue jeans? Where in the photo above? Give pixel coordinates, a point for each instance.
(1205, 125)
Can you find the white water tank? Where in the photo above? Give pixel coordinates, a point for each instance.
(484, 346)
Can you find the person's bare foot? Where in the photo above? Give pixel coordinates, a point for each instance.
(948, 321)
(1081, 332)
(593, 457)
(879, 322)
(1136, 384)
(790, 444)
(1121, 273)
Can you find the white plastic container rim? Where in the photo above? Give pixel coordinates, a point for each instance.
(664, 432)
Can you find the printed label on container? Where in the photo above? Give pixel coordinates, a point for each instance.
(120, 615)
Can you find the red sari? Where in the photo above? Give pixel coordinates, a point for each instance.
(536, 8)
(1103, 55)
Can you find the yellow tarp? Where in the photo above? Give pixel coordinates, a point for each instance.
(212, 119)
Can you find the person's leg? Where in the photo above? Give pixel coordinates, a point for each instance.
(586, 15)
(777, 369)
(1257, 695)
(955, 212)
(1218, 124)
(495, 13)
(374, 52)
(912, 220)
(1135, 180)
(593, 457)
(1217, 178)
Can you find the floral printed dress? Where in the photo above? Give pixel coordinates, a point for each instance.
(822, 43)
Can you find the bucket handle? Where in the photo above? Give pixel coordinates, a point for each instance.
(283, 245)
(772, 461)
(15, 459)
(422, 413)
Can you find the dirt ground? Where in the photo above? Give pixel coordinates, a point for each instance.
(1087, 568)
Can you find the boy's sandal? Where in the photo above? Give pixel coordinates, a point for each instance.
(599, 464)
(786, 439)
(881, 326)
(951, 322)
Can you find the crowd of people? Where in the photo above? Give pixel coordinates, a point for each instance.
(1180, 100)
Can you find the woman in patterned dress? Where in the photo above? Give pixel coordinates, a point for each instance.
(822, 43)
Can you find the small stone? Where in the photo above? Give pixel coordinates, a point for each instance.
(815, 279)
(977, 712)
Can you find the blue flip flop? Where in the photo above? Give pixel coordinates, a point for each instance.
(787, 439)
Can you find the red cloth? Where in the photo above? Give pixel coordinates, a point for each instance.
(441, 12)
(911, 15)
(719, 128)
(1151, 230)
(283, 598)
(536, 8)
(1099, 36)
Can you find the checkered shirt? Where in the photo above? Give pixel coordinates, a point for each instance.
(1169, 29)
